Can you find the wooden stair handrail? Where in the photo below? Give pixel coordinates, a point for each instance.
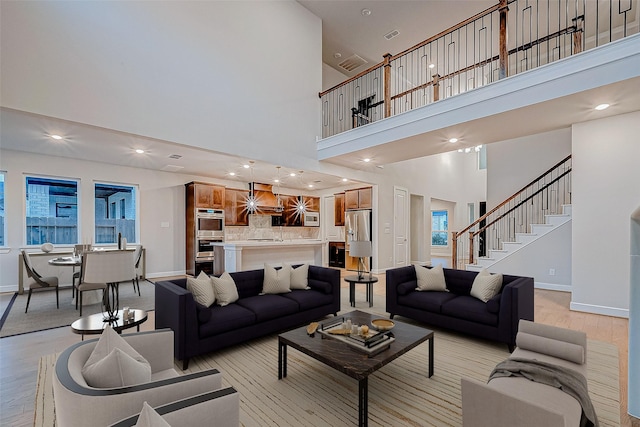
(485, 216)
(475, 233)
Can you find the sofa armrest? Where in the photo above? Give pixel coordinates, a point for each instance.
(484, 406)
(176, 309)
(517, 302)
(330, 276)
(222, 405)
(394, 278)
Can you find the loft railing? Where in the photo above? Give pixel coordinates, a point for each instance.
(545, 195)
(506, 39)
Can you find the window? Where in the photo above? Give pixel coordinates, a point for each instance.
(115, 212)
(439, 228)
(2, 221)
(52, 211)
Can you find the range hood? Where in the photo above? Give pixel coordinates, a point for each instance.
(266, 200)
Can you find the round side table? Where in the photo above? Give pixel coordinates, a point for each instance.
(365, 280)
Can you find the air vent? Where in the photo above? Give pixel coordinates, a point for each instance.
(172, 168)
(391, 35)
(352, 62)
(175, 156)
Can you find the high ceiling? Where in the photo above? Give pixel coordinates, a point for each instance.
(346, 31)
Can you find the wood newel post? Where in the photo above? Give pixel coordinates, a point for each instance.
(436, 87)
(387, 84)
(454, 249)
(504, 52)
(471, 260)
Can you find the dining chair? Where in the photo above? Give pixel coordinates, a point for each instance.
(37, 281)
(137, 256)
(101, 269)
(78, 250)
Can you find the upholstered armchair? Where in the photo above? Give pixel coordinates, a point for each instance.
(220, 408)
(78, 404)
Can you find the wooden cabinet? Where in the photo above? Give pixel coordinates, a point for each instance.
(311, 203)
(359, 198)
(292, 217)
(235, 212)
(338, 209)
(208, 196)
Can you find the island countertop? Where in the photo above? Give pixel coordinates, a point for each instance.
(269, 242)
(242, 255)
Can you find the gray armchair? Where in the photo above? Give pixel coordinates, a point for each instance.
(78, 404)
(220, 408)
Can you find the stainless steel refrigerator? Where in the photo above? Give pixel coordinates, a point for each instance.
(357, 226)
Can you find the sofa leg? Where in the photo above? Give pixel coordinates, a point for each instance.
(391, 316)
(185, 364)
(511, 347)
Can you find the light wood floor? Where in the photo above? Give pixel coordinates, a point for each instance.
(19, 355)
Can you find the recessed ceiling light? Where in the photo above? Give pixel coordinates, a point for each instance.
(344, 180)
(56, 137)
(292, 174)
(246, 166)
(310, 186)
(139, 151)
(432, 66)
(602, 107)
(367, 160)
(452, 140)
(365, 12)
(276, 180)
(337, 55)
(232, 173)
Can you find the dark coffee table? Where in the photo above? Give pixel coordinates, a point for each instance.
(357, 365)
(95, 323)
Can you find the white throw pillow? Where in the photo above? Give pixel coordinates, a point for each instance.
(225, 289)
(202, 289)
(431, 279)
(150, 418)
(300, 277)
(486, 285)
(276, 281)
(114, 363)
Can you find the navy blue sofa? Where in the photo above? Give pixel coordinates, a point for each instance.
(495, 320)
(199, 329)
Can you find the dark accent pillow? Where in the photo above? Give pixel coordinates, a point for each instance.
(493, 305)
(204, 313)
(407, 287)
(321, 286)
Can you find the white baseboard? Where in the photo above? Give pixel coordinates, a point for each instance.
(552, 286)
(599, 309)
(165, 274)
(9, 288)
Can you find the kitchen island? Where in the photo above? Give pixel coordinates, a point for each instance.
(253, 254)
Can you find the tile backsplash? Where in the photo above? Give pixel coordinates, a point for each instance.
(260, 228)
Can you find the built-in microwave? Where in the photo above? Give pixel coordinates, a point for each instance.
(312, 219)
(210, 224)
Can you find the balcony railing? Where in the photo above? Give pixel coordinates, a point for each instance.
(508, 38)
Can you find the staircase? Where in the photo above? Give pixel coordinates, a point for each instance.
(531, 213)
(537, 231)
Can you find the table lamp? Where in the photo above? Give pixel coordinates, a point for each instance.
(360, 249)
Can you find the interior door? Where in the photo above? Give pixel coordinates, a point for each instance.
(401, 227)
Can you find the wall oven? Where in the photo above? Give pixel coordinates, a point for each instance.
(210, 224)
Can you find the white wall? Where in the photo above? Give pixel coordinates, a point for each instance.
(168, 70)
(449, 176)
(161, 200)
(513, 163)
(606, 173)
